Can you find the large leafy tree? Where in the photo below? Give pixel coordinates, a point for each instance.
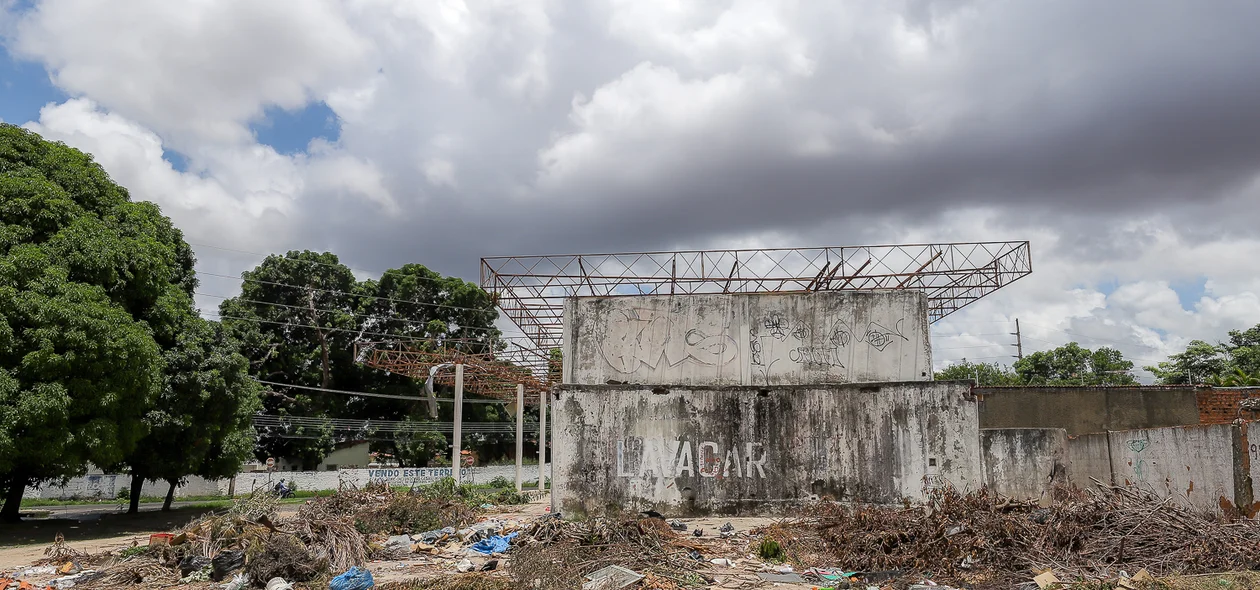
(299, 318)
(87, 277)
(1236, 362)
(1201, 362)
(201, 423)
(1072, 364)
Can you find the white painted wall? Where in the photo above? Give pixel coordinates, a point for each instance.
(748, 339)
(108, 486)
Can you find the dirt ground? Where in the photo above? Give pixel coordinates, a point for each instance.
(22, 544)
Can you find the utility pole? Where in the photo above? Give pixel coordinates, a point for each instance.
(1019, 341)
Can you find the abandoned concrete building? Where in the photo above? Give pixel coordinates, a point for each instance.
(733, 382)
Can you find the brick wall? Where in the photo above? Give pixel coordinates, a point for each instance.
(1221, 405)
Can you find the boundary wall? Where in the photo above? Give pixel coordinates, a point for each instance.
(108, 486)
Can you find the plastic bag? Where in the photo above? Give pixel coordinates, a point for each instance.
(353, 579)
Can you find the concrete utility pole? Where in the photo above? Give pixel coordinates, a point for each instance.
(1019, 341)
(456, 461)
(520, 432)
(542, 440)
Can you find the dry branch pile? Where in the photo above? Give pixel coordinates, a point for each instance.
(555, 554)
(978, 538)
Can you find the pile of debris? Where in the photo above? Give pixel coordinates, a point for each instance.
(982, 540)
(557, 554)
(248, 545)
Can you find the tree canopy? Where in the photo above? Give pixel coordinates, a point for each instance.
(1232, 363)
(103, 358)
(1070, 364)
(88, 281)
(299, 318)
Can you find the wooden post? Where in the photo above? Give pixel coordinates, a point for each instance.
(456, 460)
(520, 432)
(542, 440)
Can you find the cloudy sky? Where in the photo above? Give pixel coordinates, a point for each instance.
(1121, 138)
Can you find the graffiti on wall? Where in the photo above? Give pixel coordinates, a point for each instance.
(658, 457)
(643, 340)
(637, 338)
(1138, 445)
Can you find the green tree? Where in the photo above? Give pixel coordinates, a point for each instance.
(1072, 364)
(86, 279)
(1243, 350)
(1200, 363)
(299, 317)
(415, 447)
(980, 373)
(201, 422)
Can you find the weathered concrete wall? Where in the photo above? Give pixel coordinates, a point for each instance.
(748, 339)
(698, 450)
(1024, 462)
(1083, 410)
(1090, 458)
(1192, 463)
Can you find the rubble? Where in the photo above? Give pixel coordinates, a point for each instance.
(984, 541)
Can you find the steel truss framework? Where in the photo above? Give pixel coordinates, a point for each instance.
(531, 289)
(494, 374)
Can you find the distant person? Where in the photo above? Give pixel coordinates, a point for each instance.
(282, 489)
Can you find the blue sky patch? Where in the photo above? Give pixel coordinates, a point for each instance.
(1189, 292)
(289, 132)
(24, 89)
(177, 160)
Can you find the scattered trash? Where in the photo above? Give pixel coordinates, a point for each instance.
(42, 570)
(353, 579)
(239, 581)
(678, 525)
(398, 543)
(788, 578)
(225, 563)
(727, 531)
(464, 566)
(434, 537)
(279, 584)
(68, 568)
(722, 561)
(192, 563)
(492, 545)
(651, 514)
(785, 569)
(67, 581)
(698, 533)
(695, 555)
(613, 577)
(1046, 580)
(160, 539)
(490, 566)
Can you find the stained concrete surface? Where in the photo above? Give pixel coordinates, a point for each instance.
(748, 339)
(690, 451)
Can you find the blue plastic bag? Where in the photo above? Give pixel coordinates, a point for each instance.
(493, 545)
(353, 579)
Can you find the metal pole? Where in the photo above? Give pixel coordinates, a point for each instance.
(542, 439)
(459, 421)
(520, 432)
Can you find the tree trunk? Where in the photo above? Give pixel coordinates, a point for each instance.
(137, 486)
(13, 499)
(323, 342)
(170, 495)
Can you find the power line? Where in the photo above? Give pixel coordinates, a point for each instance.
(335, 291)
(342, 311)
(328, 264)
(381, 395)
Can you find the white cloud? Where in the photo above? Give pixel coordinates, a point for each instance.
(1128, 157)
